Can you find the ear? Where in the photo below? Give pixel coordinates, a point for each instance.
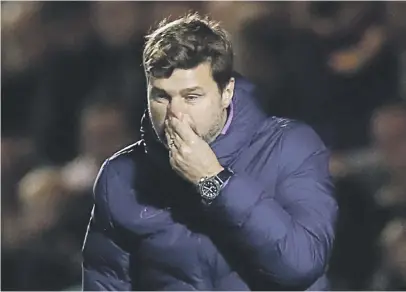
(228, 94)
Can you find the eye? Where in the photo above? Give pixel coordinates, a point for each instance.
(160, 97)
(192, 96)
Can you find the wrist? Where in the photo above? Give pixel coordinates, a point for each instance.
(215, 171)
(210, 173)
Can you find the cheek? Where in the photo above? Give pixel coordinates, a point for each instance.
(204, 117)
(158, 114)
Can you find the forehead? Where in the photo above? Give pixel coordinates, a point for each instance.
(180, 79)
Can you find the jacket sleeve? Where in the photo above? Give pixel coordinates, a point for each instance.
(284, 233)
(105, 263)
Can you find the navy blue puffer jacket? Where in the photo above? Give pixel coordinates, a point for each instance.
(271, 228)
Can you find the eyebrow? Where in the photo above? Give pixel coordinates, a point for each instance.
(191, 89)
(158, 90)
(184, 91)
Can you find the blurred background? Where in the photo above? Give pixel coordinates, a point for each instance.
(73, 92)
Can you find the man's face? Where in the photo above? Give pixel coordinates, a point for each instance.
(192, 92)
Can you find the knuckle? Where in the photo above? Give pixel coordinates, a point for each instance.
(177, 157)
(185, 150)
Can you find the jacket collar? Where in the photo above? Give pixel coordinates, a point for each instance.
(247, 117)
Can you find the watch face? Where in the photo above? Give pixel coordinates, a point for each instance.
(210, 189)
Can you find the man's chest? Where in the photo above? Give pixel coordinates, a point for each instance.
(171, 239)
(164, 202)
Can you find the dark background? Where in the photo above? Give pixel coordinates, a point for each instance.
(73, 92)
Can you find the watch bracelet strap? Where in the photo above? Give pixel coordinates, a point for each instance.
(224, 176)
(217, 177)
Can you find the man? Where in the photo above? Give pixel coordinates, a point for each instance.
(215, 196)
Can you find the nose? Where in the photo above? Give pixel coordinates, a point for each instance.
(176, 106)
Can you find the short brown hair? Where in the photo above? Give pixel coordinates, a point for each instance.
(184, 44)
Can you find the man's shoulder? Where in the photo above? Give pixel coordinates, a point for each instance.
(127, 155)
(287, 145)
(285, 130)
(292, 139)
(114, 186)
(120, 167)
(294, 131)
(127, 152)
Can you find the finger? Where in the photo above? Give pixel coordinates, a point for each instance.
(182, 128)
(173, 163)
(177, 141)
(169, 140)
(171, 159)
(172, 136)
(178, 115)
(175, 160)
(168, 130)
(187, 119)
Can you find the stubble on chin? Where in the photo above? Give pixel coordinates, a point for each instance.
(216, 129)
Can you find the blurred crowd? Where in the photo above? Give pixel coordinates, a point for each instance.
(73, 93)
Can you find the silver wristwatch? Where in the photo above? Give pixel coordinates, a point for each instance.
(210, 187)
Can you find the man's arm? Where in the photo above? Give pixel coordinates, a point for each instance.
(284, 234)
(105, 263)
